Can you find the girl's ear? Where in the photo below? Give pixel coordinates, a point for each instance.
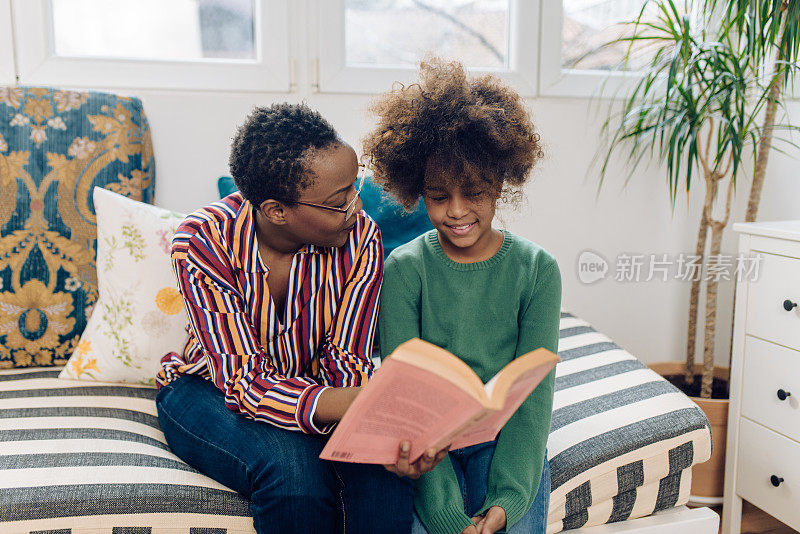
(274, 211)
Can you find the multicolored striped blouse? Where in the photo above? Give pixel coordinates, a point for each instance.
(272, 368)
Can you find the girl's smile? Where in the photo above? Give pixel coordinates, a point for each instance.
(461, 229)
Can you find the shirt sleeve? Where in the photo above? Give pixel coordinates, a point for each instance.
(516, 470)
(437, 495)
(236, 360)
(346, 352)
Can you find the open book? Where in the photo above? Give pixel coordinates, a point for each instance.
(430, 397)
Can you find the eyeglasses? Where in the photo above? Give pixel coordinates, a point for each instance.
(351, 206)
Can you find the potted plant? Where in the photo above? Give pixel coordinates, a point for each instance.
(697, 109)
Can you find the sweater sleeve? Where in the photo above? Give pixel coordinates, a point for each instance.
(516, 468)
(437, 496)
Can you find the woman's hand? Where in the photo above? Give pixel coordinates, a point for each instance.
(425, 463)
(470, 530)
(493, 520)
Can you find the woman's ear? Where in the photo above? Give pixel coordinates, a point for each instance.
(274, 211)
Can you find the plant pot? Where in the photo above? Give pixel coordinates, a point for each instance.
(707, 478)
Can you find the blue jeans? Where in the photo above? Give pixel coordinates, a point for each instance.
(290, 489)
(471, 465)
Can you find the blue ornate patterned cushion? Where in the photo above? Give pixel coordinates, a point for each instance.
(55, 146)
(397, 227)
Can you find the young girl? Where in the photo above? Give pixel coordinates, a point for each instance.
(483, 294)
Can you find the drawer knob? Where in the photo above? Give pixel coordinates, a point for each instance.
(776, 481)
(788, 305)
(782, 394)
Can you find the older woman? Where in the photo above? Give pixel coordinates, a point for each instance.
(281, 283)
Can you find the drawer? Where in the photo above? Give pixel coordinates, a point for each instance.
(762, 454)
(768, 368)
(778, 280)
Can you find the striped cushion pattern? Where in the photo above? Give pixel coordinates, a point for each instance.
(86, 457)
(622, 439)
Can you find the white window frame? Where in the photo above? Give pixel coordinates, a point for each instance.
(38, 65)
(8, 73)
(334, 76)
(577, 83)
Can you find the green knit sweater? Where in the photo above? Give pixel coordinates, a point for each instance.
(487, 313)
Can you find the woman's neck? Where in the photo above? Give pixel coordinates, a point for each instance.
(274, 237)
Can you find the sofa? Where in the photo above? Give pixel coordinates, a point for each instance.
(88, 456)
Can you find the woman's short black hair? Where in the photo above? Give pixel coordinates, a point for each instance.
(270, 151)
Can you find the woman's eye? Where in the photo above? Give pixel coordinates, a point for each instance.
(438, 199)
(474, 194)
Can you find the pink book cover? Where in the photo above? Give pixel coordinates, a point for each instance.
(401, 402)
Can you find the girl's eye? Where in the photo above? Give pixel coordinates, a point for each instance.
(474, 194)
(438, 198)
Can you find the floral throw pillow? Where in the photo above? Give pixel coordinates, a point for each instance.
(139, 315)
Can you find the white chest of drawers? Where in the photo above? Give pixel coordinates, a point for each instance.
(763, 448)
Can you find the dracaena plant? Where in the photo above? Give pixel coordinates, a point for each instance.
(698, 108)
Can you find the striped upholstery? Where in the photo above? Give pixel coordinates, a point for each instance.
(84, 457)
(622, 438)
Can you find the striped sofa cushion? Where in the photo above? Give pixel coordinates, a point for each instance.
(622, 439)
(83, 457)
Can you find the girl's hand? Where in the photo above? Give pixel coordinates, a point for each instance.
(493, 520)
(425, 463)
(470, 530)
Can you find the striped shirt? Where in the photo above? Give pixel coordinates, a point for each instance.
(273, 369)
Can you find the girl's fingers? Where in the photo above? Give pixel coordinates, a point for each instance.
(494, 520)
(425, 462)
(402, 459)
(391, 468)
(439, 457)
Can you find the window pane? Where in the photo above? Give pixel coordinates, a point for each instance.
(154, 29)
(590, 23)
(399, 32)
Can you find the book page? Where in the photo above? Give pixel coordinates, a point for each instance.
(401, 401)
(488, 428)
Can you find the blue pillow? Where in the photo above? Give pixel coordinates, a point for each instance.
(226, 186)
(397, 227)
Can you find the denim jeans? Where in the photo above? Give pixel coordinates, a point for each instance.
(471, 465)
(290, 489)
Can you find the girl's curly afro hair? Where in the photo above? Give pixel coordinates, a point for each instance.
(479, 128)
